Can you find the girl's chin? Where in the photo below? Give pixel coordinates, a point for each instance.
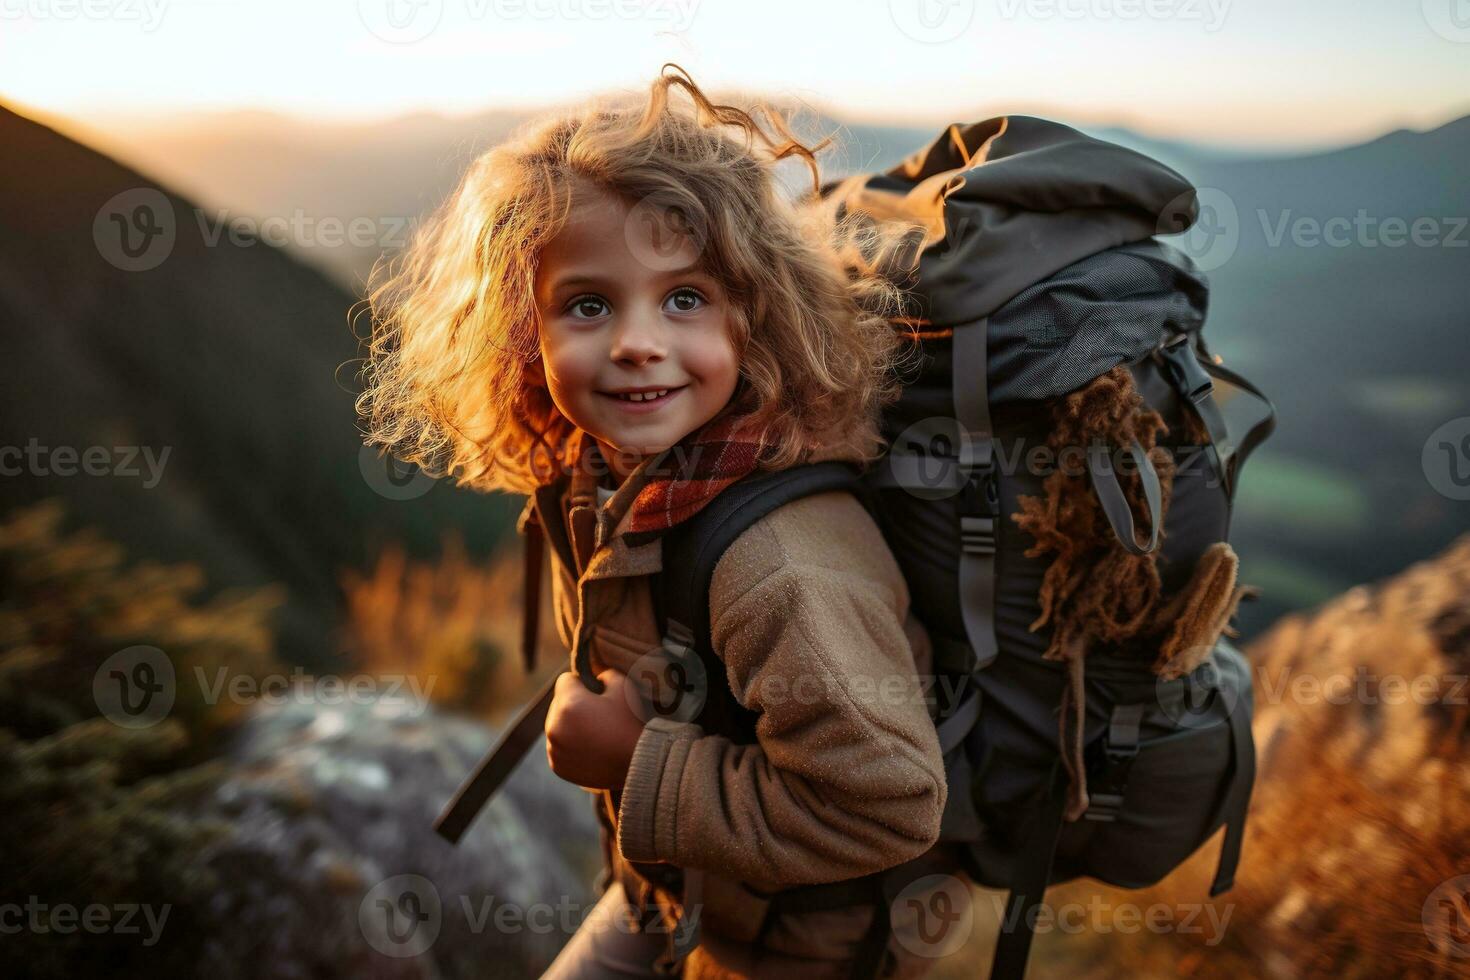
(633, 451)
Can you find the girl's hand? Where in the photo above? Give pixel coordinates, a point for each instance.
(590, 737)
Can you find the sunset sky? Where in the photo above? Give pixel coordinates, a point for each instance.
(1257, 72)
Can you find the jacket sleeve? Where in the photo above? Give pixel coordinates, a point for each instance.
(809, 611)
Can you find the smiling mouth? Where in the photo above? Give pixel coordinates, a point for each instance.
(642, 398)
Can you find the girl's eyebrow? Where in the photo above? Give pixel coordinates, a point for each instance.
(577, 278)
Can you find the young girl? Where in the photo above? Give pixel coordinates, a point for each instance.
(618, 315)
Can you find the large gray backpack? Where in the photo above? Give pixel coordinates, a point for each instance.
(1048, 276)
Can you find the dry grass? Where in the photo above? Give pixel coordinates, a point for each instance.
(452, 622)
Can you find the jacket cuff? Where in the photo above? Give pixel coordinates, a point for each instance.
(648, 806)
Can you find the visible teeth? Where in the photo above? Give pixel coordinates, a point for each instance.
(644, 396)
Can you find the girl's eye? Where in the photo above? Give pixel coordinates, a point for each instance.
(686, 294)
(581, 303)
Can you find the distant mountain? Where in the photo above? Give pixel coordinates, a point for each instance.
(188, 392)
(1340, 282)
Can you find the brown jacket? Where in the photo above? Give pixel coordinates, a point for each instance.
(810, 615)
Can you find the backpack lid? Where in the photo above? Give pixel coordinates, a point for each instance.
(1013, 199)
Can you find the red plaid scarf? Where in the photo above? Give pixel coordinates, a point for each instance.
(692, 473)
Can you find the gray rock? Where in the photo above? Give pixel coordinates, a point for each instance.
(331, 867)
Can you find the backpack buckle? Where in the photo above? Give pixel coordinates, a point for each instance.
(1105, 795)
(1112, 757)
(1184, 370)
(979, 503)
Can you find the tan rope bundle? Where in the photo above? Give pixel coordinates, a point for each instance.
(1095, 590)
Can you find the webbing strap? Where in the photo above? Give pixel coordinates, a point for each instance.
(1115, 504)
(1195, 386)
(979, 502)
(953, 728)
(497, 766)
(1028, 883)
(535, 549)
(1237, 802)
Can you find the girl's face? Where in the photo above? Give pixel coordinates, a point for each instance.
(624, 308)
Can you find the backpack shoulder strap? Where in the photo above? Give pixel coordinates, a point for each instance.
(692, 549)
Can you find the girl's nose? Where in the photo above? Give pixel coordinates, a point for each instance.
(638, 339)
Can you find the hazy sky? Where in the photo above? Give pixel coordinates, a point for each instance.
(1283, 72)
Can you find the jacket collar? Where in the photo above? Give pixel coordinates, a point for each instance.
(609, 555)
(557, 505)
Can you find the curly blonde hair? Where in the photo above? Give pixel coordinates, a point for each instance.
(815, 293)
